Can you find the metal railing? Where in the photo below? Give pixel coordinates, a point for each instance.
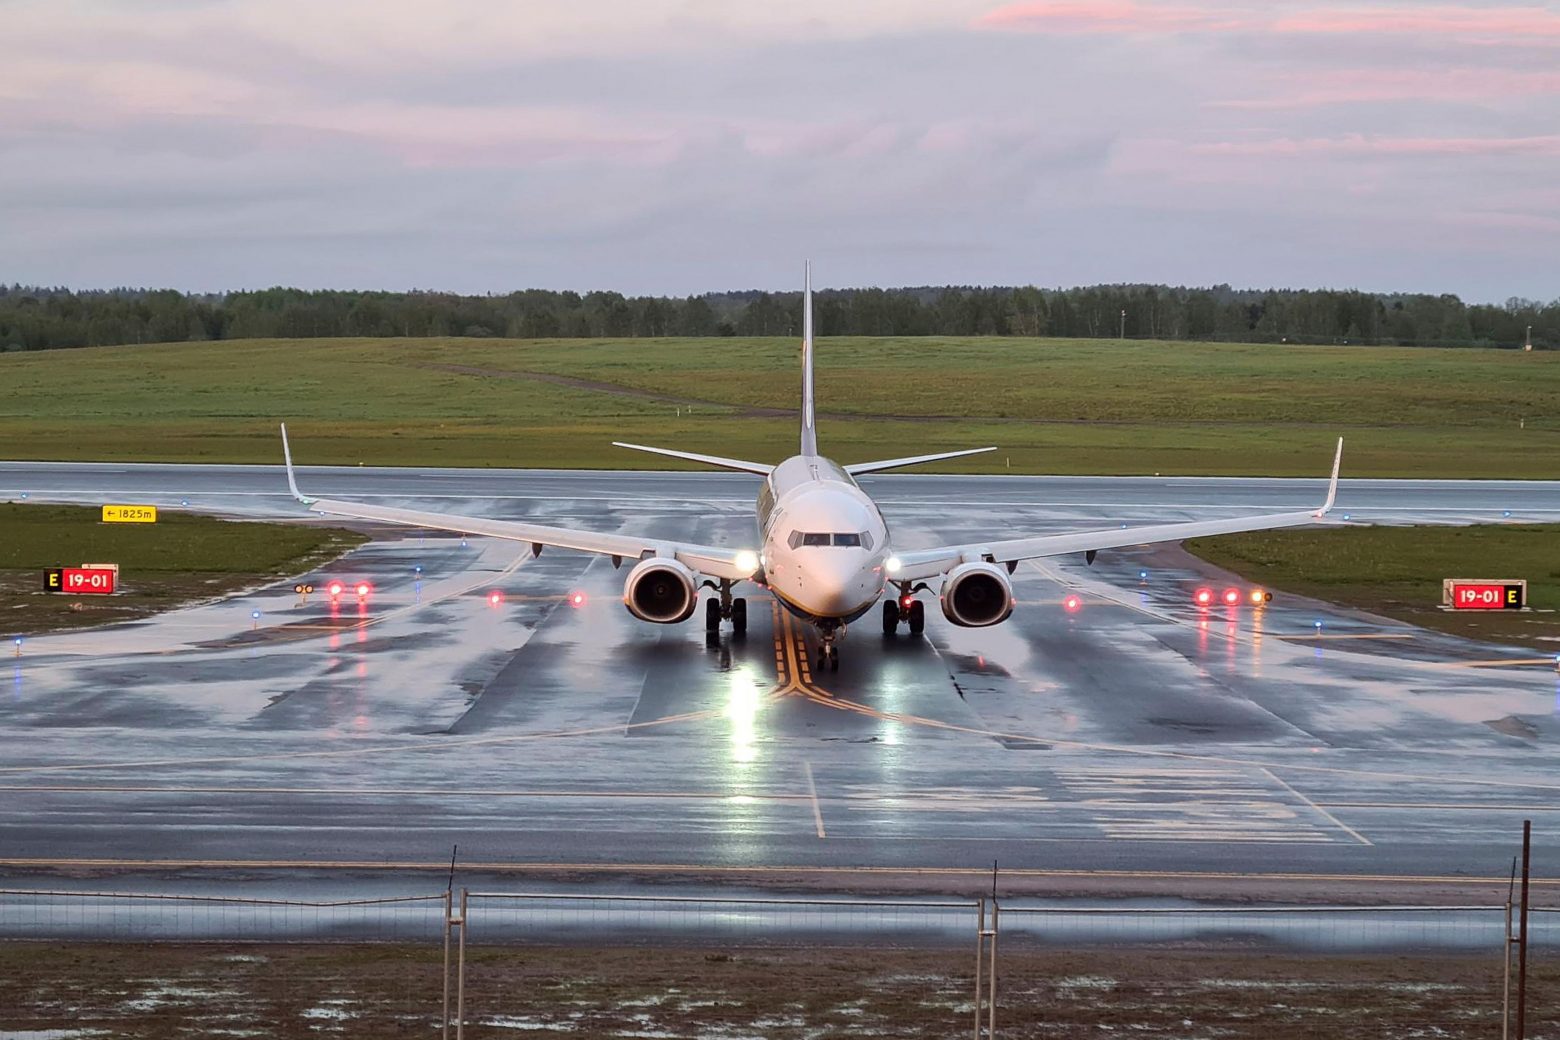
(461, 919)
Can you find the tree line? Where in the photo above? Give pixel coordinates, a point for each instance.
(39, 318)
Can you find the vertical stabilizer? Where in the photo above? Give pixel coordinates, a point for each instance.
(809, 431)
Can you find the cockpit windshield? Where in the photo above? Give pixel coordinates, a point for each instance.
(854, 539)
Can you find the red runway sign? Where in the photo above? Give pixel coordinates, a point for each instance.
(80, 581)
(1486, 596)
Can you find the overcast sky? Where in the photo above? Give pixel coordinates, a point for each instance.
(676, 146)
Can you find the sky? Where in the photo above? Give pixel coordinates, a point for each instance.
(682, 146)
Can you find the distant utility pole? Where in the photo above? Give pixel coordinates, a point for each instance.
(1124, 323)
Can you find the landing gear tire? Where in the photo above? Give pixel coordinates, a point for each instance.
(917, 618)
(739, 617)
(890, 616)
(712, 615)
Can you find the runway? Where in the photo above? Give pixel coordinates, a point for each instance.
(1139, 736)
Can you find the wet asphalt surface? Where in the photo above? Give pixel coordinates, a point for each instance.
(1137, 734)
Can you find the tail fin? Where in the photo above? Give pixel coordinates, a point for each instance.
(809, 431)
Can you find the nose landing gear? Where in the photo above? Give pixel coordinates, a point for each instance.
(828, 652)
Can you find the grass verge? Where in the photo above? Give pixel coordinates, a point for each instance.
(180, 559)
(1397, 572)
(391, 990)
(1052, 406)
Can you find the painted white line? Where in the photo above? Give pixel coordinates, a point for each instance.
(812, 792)
(1341, 825)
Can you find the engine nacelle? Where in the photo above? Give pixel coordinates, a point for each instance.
(662, 590)
(975, 595)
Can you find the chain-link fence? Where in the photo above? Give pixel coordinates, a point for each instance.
(485, 964)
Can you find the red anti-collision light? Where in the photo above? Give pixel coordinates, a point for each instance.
(905, 602)
(1232, 596)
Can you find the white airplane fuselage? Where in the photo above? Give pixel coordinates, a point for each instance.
(825, 545)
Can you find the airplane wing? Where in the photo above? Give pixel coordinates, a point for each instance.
(928, 563)
(714, 561)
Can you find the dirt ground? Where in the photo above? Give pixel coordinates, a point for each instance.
(66, 991)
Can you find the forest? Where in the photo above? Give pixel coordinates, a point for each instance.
(39, 318)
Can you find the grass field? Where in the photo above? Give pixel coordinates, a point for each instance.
(1052, 406)
(177, 560)
(1397, 572)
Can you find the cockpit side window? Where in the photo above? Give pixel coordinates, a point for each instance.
(866, 540)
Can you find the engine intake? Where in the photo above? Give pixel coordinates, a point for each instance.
(975, 595)
(661, 590)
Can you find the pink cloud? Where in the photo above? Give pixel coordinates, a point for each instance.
(1472, 23)
(1105, 16)
(1363, 145)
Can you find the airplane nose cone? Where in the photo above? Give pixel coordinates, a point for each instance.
(839, 585)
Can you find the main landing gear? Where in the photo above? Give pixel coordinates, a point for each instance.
(725, 607)
(912, 613)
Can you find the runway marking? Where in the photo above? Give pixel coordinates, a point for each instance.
(1179, 804)
(762, 870)
(1471, 806)
(812, 791)
(1312, 636)
(1345, 827)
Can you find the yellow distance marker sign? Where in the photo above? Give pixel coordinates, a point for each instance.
(129, 514)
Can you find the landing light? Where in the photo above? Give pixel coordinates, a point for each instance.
(892, 565)
(747, 562)
(1260, 597)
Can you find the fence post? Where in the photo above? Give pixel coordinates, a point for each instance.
(444, 1021)
(991, 989)
(460, 972)
(1522, 950)
(986, 966)
(980, 956)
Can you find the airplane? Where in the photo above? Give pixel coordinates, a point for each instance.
(824, 550)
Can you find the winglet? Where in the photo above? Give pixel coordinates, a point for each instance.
(292, 480)
(1332, 485)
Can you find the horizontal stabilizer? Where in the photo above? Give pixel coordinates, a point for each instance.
(709, 460)
(913, 460)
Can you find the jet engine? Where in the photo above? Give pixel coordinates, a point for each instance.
(975, 595)
(661, 590)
